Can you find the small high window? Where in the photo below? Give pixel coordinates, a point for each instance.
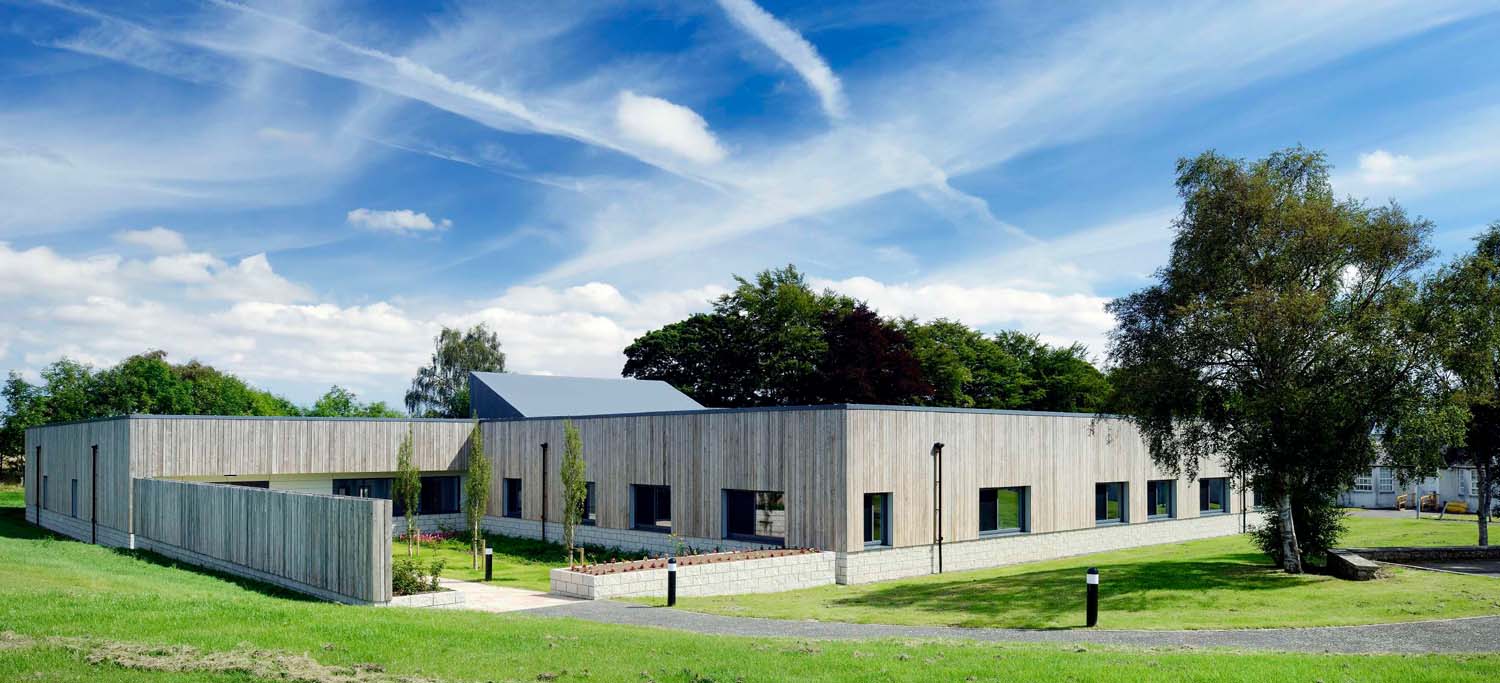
(1109, 503)
(1213, 496)
(73, 497)
(1161, 499)
(247, 484)
(1003, 510)
(44, 492)
(590, 514)
(512, 498)
(651, 507)
(756, 516)
(877, 519)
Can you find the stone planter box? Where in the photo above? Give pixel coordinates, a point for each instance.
(698, 575)
(438, 599)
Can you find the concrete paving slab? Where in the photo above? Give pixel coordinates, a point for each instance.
(485, 597)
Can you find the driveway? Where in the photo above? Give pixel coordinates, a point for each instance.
(1476, 567)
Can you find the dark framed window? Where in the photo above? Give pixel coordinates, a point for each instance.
(877, 519)
(651, 507)
(439, 496)
(590, 514)
(247, 484)
(1161, 499)
(512, 498)
(757, 516)
(1258, 497)
(43, 492)
(363, 488)
(1213, 496)
(1109, 502)
(1004, 510)
(73, 500)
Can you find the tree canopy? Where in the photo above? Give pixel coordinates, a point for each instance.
(776, 341)
(340, 402)
(441, 388)
(1281, 333)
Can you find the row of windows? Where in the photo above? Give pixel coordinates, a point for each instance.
(439, 494)
(1366, 484)
(72, 496)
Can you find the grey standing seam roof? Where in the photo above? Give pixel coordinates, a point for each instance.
(503, 395)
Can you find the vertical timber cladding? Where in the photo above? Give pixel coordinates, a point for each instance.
(699, 454)
(67, 454)
(1060, 457)
(336, 546)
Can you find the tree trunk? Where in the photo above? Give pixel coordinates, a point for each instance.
(1483, 473)
(1291, 553)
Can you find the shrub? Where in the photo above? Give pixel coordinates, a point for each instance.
(406, 577)
(435, 572)
(1317, 518)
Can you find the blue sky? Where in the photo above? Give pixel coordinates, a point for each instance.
(303, 193)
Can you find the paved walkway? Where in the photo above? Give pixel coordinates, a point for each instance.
(486, 597)
(1479, 634)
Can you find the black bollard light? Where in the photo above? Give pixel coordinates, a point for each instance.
(671, 581)
(489, 564)
(1093, 609)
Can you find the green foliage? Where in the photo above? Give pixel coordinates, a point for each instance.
(441, 388)
(1319, 522)
(340, 402)
(1282, 334)
(407, 488)
(574, 484)
(476, 491)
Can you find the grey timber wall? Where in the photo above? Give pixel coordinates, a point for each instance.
(699, 454)
(67, 454)
(335, 548)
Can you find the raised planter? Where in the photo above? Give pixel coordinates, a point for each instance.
(754, 571)
(437, 599)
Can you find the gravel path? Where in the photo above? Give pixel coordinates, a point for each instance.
(1478, 634)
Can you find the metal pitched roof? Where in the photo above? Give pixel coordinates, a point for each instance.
(504, 395)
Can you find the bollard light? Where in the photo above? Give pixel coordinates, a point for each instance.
(671, 581)
(1093, 607)
(489, 564)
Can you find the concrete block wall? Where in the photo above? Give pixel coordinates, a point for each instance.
(896, 563)
(79, 529)
(763, 575)
(428, 524)
(629, 540)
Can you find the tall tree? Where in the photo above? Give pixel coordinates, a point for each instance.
(700, 356)
(1277, 337)
(1058, 378)
(408, 489)
(865, 360)
(574, 484)
(967, 369)
(441, 388)
(340, 402)
(476, 493)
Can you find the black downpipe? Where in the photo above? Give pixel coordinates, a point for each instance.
(94, 499)
(937, 495)
(544, 492)
(38, 496)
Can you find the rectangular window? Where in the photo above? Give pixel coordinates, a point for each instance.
(512, 500)
(363, 488)
(1364, 483)
(1161, 499)
(247, 484)
(44, 492)
(1386, 480)
(651, 507)
(1003, 510)
(1213, 496)
(1109, 503)
(877, 519)
(590, 505)
(756, 516)
(73, 497)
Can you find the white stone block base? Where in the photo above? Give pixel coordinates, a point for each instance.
(762, 575)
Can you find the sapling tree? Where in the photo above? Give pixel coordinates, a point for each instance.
(476, 493)
(575, 488)
(408, 490)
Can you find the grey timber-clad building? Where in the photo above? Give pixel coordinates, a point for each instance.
(870, 483)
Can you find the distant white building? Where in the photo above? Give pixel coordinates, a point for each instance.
(1380, 486)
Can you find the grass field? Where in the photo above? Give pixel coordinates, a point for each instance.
(1212, 583)
(518, 563)
(75, 612)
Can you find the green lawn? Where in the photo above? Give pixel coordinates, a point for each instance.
(519, 562)
(1213, 583)
(75, 612)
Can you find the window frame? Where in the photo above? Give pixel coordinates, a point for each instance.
(755, 496)
(43, 493)
(655, 491)
(73, 497)
(1385, 480)
(1023, 511)
(885, 505)
(1124, 502)
(510, 501)
(1205, 498)
(1364, 483)
(1151, 494)
(590, 516)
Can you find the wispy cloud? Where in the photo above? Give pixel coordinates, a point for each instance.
(158, 239)
(792, 48)
(399, 221)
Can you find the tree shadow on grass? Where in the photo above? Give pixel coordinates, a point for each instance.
(1054, 599)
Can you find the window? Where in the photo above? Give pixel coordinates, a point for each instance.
(439, 496)
(757, 516)
(1474, 483)
(651, 507)
(73, 497)
(44, 491)
(363, 488)
(877, 519)
(1161, 499)
(1109, 503)
(1386, 483)
(590, 505)
(1213, 496)
(247, 484)
(1003, 510)
(512, 499)
(1364, 483)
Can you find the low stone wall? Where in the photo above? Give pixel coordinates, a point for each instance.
(648, 542)
(895, 563)
(429, 523)
(1351, 566)
(453, 599)
(1360, 564)
(764, 575)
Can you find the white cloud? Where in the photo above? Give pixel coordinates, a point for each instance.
(157, 239)
(400, 221)
(252, 279)
(40, 273)
(290, 137)
(791, 47)
(1383, 168)
(673, 127)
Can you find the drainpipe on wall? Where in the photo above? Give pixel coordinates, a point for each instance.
(544, 491)
(937, 496)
